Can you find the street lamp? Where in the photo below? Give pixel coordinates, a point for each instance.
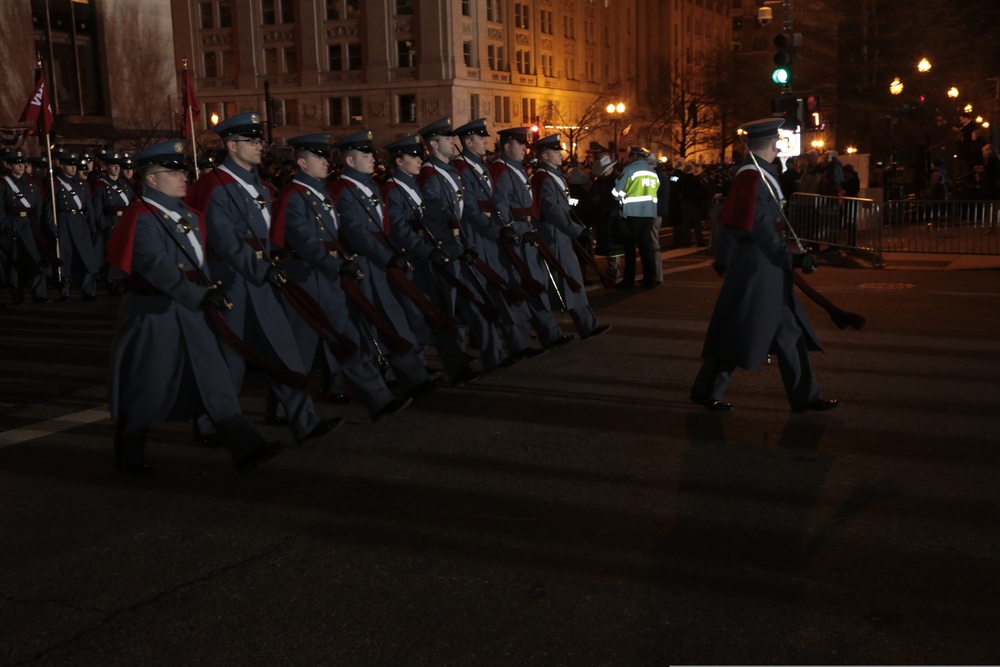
(215, 119)
(896, 87)
(924, 65)
(968, 108)
(953, 92)
(615, 111)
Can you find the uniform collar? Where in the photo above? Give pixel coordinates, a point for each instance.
(163, 200)
(440, 163)
(512, 163)
(353, 173)
(403, 177)
(237, 170)
(471, 157)
(316, 183)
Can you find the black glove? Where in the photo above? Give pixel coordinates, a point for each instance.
(352, 269)
(400, 262)
(720, 269)
(586, 238)
(275, 276)
(508, 234)
(530, 237)
(805, 262)
(469, 256)
(217, 298)
(439, 257)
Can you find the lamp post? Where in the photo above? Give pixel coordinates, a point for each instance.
(616, 111)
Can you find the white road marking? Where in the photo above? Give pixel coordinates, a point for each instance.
(64, 423)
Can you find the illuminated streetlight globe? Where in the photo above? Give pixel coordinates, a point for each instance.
(620, 108)
(215, 119)
(611, 108)
(924, 65)
(979, 119)
(953, 92)
(968, 108)
(896, 87)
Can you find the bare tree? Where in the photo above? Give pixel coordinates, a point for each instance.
(579, 128)
(689, 118)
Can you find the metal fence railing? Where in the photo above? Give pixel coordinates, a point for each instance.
(901, 226)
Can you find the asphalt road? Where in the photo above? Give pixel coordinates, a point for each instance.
(574, 509)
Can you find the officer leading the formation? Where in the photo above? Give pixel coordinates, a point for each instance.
(757, 311)
(167, 363)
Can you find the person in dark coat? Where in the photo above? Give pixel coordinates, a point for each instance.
(74, 225)
(558, 229)
(363, 231)
(757, 311)
(305, 212)
(112, 195)
(167, 363)
(20, 233)
(237, 208)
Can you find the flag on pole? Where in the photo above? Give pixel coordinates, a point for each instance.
(191, 111)
(38, 110)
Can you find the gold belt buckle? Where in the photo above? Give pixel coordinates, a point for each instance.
(455, 232)
(259, 254)
(119, 213)
(333, 253)
(23, 214)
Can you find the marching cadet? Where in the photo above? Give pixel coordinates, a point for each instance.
(488, 234)
(363, 230)
(513, 204)
(19, 230)
(112, 195)
(237, 208)
(423, 218)
(167, 363)
(560, 231)
(306, 213)
(74, 226)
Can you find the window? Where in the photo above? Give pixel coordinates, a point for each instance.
(291, 63)
(354, 57)
(737, 23)
(335, 110)
(404, 7)
(737, 45)
(406, 53)
(467, 53)
(291, 111)
(271, 61)
(525, 117)
(288, 11)
(211, 65)
(407, 108)
(569, 27)
(474, 105)
(522, 13)
(494, 10)
(268, 16)
(760, 44)
(229, 63)
(466, 7)
(548, 65)
(737, 4)
(354, 111)
(333, 14)
(353, 9)
(523, 59)
(225, 14)
(335, 57)
(501, 109)
(494, 57)
(206, 14)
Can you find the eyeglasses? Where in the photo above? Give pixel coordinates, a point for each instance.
(253, 142)
(172, 172)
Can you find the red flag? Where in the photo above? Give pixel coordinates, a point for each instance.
(191, 110)
(38, 110)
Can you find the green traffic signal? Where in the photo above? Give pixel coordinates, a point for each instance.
(781, 76)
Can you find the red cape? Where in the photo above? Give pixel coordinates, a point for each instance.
(200, 195)
(537, 180)
(339, 186)
(738, 209)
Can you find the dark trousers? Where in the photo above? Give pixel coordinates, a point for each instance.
(640, 231)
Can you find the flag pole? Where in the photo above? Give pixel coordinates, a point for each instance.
(190, 118)
(55, 215)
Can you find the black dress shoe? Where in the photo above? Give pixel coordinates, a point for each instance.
(258, 455)
(336, 399)
(91, 297)
(65, 297)
(530, 352)
(425, 387)
(325, 427)
(818, 406)
(206, 439)
(391, 408)
(138, 470)
(625, 285)
(713, 405)
(597, 331)
(559, 342)
(466, 376)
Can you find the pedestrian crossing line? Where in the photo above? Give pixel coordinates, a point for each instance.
(41, 429)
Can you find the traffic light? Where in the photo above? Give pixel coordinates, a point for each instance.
(784, 57)
(810, 113)
(789, 108)
(536, 131)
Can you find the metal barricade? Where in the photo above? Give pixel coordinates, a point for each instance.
(954, 227)
(851, 223)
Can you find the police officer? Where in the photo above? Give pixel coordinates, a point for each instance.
(237, 207)
(636, 189)
(318, 264)
(167, 363)
(27, 266)
(363, 230)
(559, 229)
(74, 225)
(513, 204)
